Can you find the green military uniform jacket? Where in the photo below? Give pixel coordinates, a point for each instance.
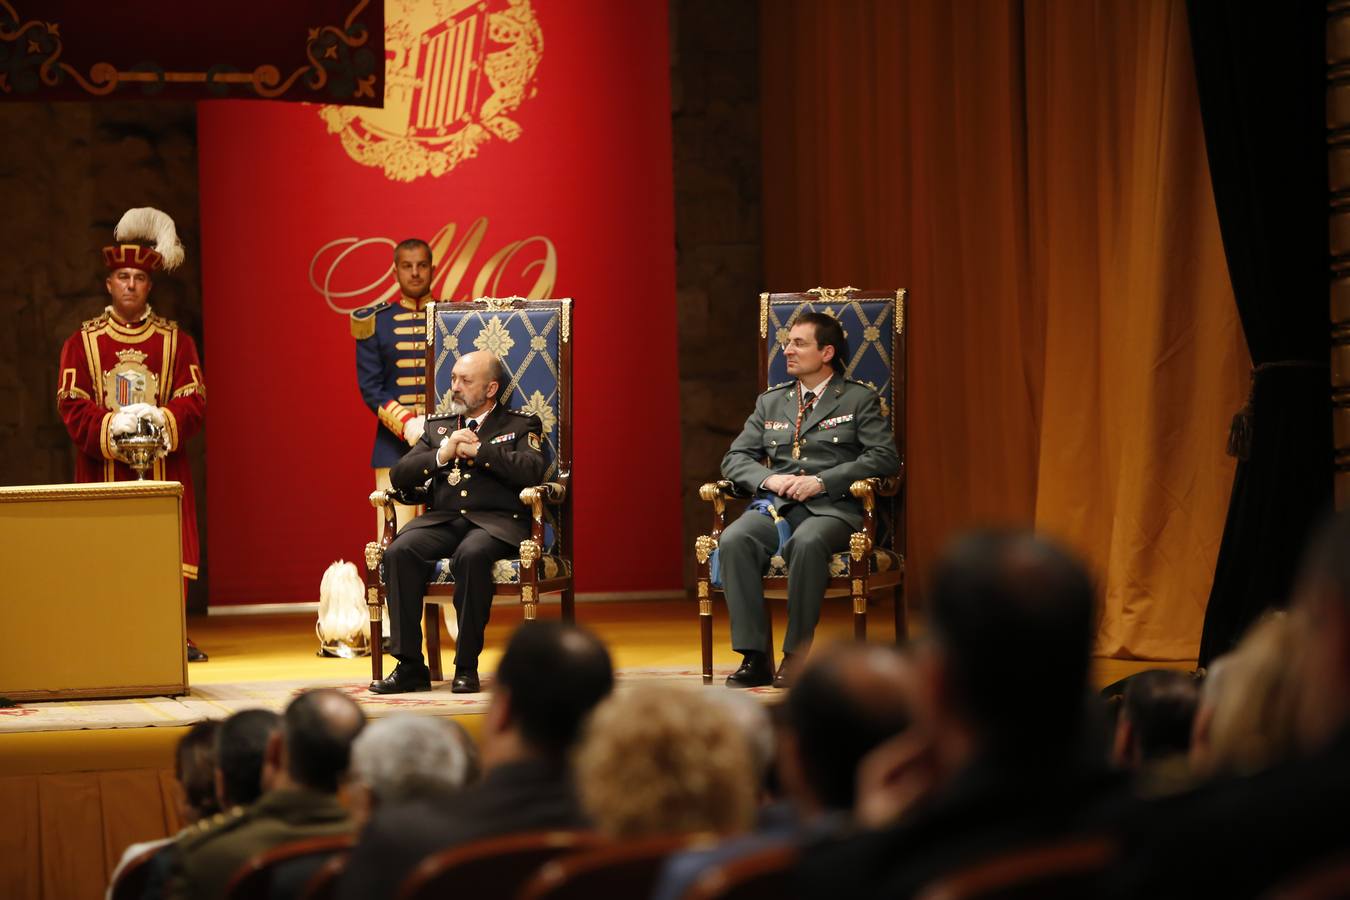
(209, 853)
(843, 438)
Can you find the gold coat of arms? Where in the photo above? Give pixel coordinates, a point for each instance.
(455, 70)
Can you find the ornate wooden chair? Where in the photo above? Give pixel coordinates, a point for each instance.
(286, 869)
(493, 867)
(533, 338)
(627, 869)
(1064, 870)
(766, 875)
(1328, 879)
(323, 884)
(874, 323)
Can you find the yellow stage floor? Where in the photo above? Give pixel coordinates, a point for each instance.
(642, 635)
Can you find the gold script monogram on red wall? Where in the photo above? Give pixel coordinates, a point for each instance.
(352, 272)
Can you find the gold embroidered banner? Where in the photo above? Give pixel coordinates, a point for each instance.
(529, 143)
(326, 51)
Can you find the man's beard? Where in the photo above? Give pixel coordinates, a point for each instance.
(456, 407)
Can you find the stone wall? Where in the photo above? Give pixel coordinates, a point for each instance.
(67, 173)
(719, 269)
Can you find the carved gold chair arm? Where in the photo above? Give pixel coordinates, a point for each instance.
(717, 493)
(713, 491)
(869, 489)
(537, 495)
(384, 501)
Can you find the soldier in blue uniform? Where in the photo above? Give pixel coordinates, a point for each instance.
(391, 371)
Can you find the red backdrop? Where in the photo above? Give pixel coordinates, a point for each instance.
(549, 125)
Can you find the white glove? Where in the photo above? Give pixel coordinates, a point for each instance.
(123, 423)
(412, 432)
(146, 411)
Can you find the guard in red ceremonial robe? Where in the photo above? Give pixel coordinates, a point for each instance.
(129, 365)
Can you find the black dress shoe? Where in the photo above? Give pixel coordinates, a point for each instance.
(195, 653)
(783, 677)
(755, 671)
(466, 682)
(406, 678)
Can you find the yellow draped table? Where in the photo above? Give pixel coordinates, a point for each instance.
(93, 599)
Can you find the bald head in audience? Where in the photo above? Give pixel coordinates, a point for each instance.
(1011, 618)
(847, 700)
(314, 745)
(549, 679)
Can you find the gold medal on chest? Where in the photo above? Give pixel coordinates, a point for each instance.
(454, 475)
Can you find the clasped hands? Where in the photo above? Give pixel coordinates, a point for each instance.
(794, 487)
(461, 444)
(126, 420)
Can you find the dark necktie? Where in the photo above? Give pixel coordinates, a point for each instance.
(472, 425)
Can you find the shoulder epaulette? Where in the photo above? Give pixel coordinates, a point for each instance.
(782, 384)
(523, 413)
(871, 387)
(436, 417)
(363, 320)
(96, 322)
(204, 829)
(160, 322)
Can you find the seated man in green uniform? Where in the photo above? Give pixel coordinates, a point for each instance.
(306, 760)
(801, 449)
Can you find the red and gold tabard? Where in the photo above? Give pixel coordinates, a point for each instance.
(107, 365)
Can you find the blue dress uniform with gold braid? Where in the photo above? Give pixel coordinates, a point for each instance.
(391, 370)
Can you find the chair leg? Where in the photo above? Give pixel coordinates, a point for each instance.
(768, 624)
(859, 609)
(374, 603)
(376, 641)
(901, 614)
(569, 606)
(431, 627)
(705, 627)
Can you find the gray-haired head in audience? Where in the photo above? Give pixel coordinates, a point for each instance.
(404, 756)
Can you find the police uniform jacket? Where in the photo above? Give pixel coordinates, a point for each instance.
(843, 437)
(391, 370)
(209, 853)
(487, 493)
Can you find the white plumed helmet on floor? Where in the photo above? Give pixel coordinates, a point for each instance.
(344, 621)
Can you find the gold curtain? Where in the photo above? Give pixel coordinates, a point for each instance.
(64, 833)
(1035, 173)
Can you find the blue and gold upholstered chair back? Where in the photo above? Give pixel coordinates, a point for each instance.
(533, 339)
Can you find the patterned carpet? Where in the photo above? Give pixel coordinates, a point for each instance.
(216, 701)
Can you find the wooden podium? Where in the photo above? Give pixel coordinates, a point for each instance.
(93, 601)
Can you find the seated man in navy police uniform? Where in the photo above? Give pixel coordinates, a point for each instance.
(477, 458)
